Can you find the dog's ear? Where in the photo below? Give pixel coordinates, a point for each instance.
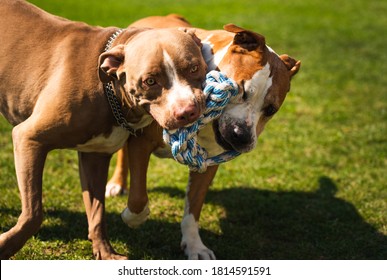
(192, 33)
(290, 63)
(109, 62)
(247, 39)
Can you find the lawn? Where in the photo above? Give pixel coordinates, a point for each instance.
(315, 186)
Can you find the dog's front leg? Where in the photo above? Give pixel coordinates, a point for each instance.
(93, 168)
(197, 188)
(30, 156)
(139, 151)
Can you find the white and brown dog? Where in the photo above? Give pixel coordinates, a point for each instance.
(55, 75)
(264, 80)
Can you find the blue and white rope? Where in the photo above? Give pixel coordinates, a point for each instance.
(184, 146)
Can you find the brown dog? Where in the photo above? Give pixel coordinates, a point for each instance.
(54, 74)
(264, 80)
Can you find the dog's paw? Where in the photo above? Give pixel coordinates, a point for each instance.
(134, 220)
(113, 189)
(106, 252)
(191, 242)
(197, 251)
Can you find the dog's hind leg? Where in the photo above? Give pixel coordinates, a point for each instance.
(93, 168)
(30, 156)
(197, 188)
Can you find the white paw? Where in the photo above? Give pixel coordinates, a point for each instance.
(197, 251)
(134, 220)
(191, 242)
(113, 189)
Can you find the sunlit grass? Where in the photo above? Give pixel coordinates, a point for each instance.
(315, 187)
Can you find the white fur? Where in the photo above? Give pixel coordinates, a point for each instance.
(211, 59)
(113, 142)
(191, 241)
(248, 111)
(259, 84)
(134, 220)
(103, 144)
(179, 91)
(256, 90)
(219, 55)
(271, 50)
(113, 189)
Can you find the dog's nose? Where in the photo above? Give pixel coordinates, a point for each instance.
(240, 135)
(187, 114)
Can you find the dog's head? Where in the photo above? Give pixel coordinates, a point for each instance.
(264, 80)
(162, 70)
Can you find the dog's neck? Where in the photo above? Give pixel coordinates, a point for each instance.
(124, 107)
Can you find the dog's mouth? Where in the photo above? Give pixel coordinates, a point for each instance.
(234, 137)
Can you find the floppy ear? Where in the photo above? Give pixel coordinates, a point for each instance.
(247, 39)
(109, 63)
(290, 63)
(191, 32)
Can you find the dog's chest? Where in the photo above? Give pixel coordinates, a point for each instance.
(105, 143)
(115, 140)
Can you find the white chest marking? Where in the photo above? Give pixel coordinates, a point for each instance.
(103, 144)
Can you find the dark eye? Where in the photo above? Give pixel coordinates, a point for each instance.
(194, 69)
(150, 82)
(269, 111)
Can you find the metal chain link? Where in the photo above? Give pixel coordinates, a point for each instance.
(111, 96)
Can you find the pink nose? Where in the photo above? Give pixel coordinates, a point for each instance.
(187, 114)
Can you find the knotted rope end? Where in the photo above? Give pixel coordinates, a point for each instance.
(184, 145)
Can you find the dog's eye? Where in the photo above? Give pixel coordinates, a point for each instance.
(150, 82)
(269, 110)
(194, 69)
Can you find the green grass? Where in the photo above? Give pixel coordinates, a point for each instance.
(314, 188)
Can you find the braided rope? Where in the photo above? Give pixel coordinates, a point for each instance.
(184, 146)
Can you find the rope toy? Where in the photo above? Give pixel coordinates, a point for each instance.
(183, 141)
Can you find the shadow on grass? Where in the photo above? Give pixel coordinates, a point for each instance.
(262, 224)
(259, 224)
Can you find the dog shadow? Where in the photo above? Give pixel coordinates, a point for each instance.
(262, 224)
(256, 224)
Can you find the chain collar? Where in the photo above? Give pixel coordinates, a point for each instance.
(111, 96)
(112, 39)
